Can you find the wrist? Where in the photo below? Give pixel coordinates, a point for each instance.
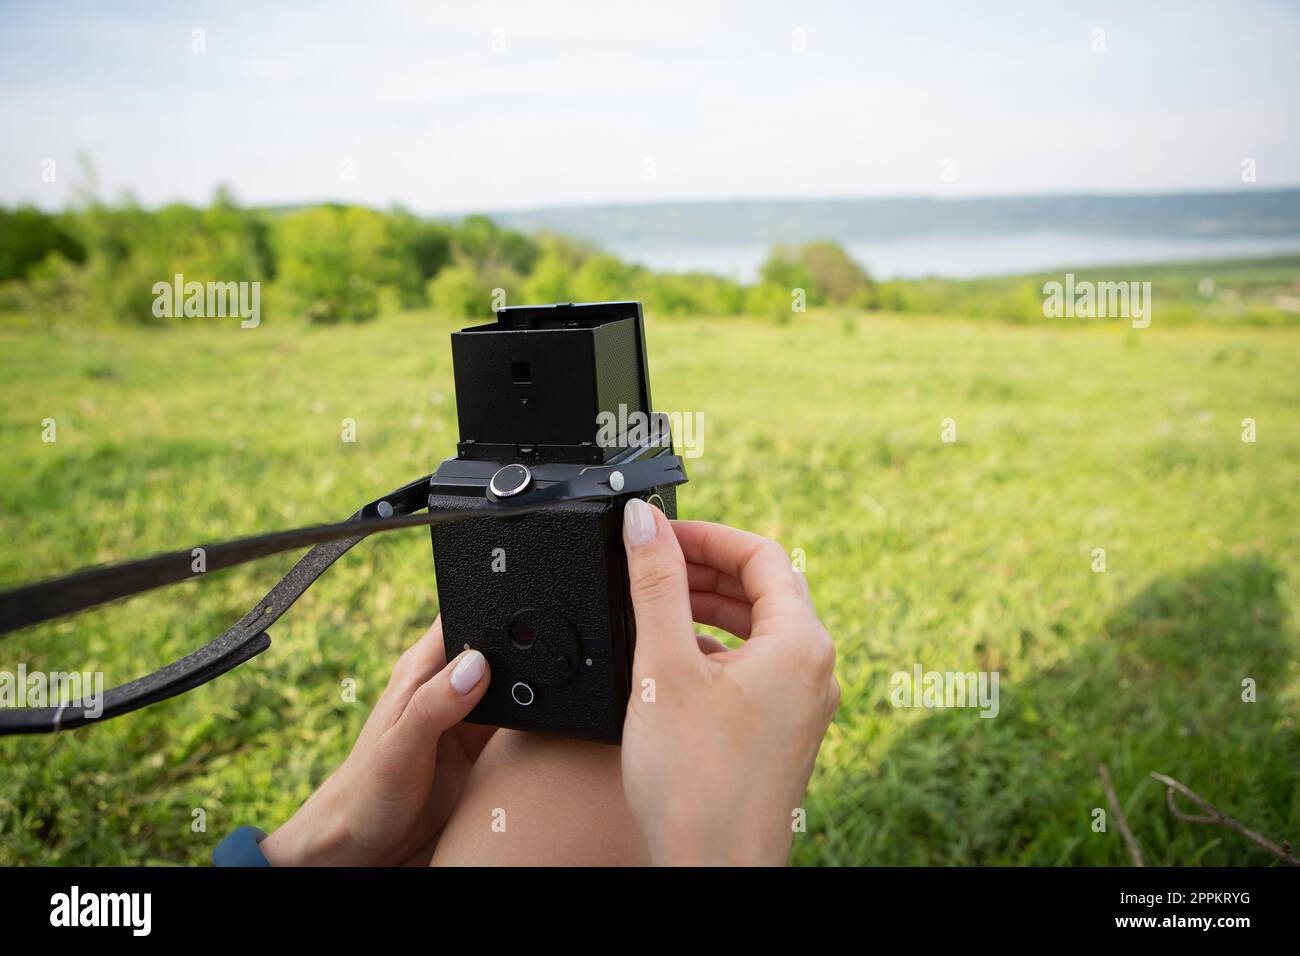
(716, 848)
(709, 856)
(308, 839)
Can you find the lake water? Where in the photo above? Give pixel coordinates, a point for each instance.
(966, 256)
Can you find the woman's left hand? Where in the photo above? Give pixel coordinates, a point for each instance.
(388, 801)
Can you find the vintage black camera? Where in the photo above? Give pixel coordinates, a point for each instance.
(556, 433)
(548, 397)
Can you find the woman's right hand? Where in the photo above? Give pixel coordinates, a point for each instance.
(719, 744)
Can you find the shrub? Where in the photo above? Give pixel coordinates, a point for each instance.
(825, 272)
(767, 300)
(334, 260)
(458, 291)
(549, 282)
(28, 236)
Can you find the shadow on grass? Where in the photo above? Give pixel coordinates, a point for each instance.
(1160, 689)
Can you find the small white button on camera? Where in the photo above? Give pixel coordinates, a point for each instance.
(522, 693)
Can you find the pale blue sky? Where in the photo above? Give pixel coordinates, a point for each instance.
(415, 96)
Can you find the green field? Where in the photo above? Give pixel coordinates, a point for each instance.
(824, 433)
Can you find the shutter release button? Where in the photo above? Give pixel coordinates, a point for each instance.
(510, 480)
(522, 693)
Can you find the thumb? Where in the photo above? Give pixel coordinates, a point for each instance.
(661, 597)
(439, 704)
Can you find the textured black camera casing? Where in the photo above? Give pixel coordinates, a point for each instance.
(544, 594)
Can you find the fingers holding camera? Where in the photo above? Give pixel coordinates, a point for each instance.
(436, 706)
(417, 664)
(376, 807)
(734, 579)
(422, 659)
(758, 566)
(711, 777)
(710, 645)
(702, 577)
(718, 599)
(660, 590)
(747, 585)
(718, 610)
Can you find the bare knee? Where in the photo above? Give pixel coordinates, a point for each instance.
(536, 800)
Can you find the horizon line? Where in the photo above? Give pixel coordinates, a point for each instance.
(601, 205)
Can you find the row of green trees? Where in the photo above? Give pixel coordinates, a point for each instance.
(336, 263)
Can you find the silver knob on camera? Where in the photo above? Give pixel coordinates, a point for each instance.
(510, 480)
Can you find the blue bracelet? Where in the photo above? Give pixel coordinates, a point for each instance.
(241, 849)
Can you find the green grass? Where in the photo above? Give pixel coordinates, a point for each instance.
(823, 433)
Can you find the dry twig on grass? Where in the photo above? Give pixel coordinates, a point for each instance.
(1120, 822)
(1216, 815)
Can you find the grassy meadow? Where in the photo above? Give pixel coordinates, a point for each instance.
(825, 433)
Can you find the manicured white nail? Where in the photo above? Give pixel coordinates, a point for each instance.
(468, 672)
(639, 522)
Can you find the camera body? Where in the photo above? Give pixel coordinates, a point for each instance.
(544, 594)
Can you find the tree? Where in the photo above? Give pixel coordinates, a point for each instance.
(334, 260)
(550, 281)
(602, 278)
(837, 277)
(823, 270)
(458, 291)
(479, 240)
(27, 236)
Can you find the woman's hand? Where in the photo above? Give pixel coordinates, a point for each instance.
(388, 801)
(719, 744)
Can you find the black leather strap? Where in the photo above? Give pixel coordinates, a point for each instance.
(45, 600)
(246, 639)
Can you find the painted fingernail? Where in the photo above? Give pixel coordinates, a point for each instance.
(468, 672)
(639, 522)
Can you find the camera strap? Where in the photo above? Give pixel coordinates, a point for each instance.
(33, 603)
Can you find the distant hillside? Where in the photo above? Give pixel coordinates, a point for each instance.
(1245, 212)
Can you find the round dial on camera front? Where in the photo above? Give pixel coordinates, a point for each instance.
(541, 646)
